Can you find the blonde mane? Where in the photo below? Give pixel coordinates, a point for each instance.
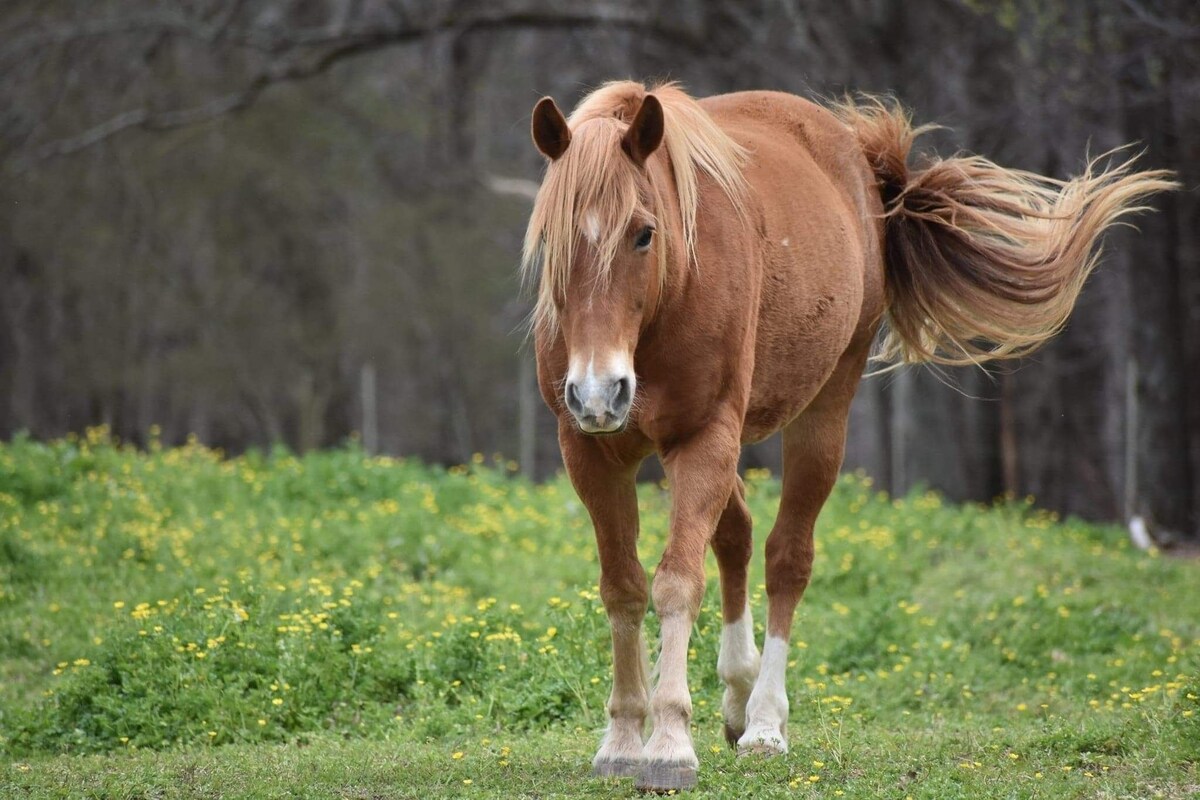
(595, 179)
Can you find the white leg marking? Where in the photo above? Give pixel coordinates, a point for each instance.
(767, 711)
(1139, 534)
(671, 742)
(737, 665)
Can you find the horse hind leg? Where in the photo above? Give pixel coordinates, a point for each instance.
(813, 446)
(737, 664)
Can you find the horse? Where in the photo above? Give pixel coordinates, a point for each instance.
(709, 272)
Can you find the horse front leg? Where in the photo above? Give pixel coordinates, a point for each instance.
(608, 491)
(702, 474)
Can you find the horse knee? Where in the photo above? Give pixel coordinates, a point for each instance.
(789, 563)
(678, 592)
(626, 597)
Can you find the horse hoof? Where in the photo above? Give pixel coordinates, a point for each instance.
(617, 768)
(763, 749)
(662, 777)
(764, 742)
(732, 735)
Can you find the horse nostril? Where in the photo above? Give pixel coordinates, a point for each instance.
(621, 396)
(574, 404)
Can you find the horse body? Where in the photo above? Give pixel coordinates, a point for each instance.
(816, 245)
(807, 282)
(714, 271)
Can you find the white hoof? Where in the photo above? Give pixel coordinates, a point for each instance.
(762, 741)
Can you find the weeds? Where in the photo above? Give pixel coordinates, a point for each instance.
(173, 599)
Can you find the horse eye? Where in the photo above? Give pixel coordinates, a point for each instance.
(643, 238)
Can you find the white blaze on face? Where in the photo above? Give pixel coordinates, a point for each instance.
(591, 227)
(593, 378)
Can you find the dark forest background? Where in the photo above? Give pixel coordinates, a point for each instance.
(286, 220)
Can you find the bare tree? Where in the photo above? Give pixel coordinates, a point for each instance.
(221, 216)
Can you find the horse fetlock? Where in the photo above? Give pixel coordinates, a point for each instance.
(625, 732)
(733, 734)
(767, 705)
(741, 675)
(766, 726)
(733, 708)
(671, 742)
(620, 753)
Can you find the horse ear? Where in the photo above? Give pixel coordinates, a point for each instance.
(645, 133)
(550, 131)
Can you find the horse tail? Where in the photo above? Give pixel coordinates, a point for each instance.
(984, 262)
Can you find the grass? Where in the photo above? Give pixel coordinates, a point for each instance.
(174, 623)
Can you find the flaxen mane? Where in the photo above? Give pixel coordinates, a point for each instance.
(594, 183)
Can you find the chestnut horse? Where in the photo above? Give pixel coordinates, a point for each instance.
(714, 271)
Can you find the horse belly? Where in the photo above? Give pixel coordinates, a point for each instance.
(810, 305)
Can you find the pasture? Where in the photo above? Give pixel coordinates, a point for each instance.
(175, 623)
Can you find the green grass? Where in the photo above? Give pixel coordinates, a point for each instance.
(174, 623)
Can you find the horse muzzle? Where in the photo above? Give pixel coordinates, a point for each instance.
(600, 405)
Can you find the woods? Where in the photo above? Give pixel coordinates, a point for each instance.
(287, 221)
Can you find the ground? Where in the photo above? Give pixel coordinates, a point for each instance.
(175, 623)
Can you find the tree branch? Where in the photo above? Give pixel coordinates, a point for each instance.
(1173, 28)
(338, 43)
(151, 22)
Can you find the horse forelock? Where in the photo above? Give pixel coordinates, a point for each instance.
(593, 190)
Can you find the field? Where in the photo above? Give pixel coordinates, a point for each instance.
(174, 623)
